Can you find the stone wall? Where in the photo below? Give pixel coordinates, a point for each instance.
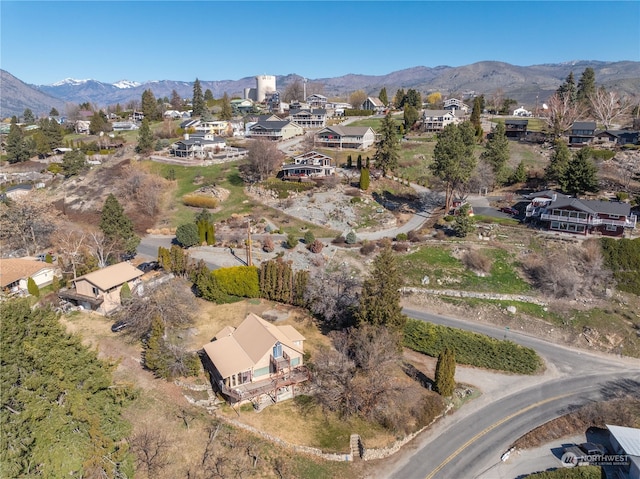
(473, 294)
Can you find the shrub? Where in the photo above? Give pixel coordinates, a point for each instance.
(187, 235)
(316, 246)
(351, 238)
(367, 248)
(602, 154)
(476, 261)
(401, 247)
(339, 240)
(199, 201)
(401, 237)
(448, 218)
(414, 236)
(292, 241)
(32, 288)
(309, 238)
(622, 196)
(355, 200)
(440, 235)
(470, 348)
(268, 245)
(238, 281)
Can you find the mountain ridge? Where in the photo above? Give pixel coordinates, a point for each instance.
(525, 84)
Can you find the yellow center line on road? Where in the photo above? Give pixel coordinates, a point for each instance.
(490, 428)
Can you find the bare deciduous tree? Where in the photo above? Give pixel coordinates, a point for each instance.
(100, 247)
(171, 302)
(294, 91)
(496, 99)
(333, 296)
(71, 244)
(562, 113)
(263, 158)
(606, 106)
(151, 447)
(26, 224)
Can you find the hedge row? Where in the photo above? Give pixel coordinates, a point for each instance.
(470, 348)
(200, 201)
(238, 281)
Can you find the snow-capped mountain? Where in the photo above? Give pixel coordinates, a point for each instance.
(126, 84)
(70, 81)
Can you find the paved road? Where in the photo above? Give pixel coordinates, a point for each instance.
(469, 445)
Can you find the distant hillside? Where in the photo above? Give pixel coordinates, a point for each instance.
(526, 85)
(16, 96)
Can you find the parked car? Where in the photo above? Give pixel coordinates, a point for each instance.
(593, 449)
(149, 266)
(127, 256)
(119, 326)
(509, 210)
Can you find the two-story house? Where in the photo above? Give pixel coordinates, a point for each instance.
(582, 133)
(578, 216)
(515, 128)
(357, 137)
(273, 129)
(308, 165)
(456, 104)
(257, 358)
(197, 145)
(436, 120)
(308, 117)
(316, 101)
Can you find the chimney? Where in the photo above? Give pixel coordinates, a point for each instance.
(186, 136)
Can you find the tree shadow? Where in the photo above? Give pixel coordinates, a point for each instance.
(417, 375)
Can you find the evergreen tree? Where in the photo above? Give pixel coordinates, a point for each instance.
(98, 123)
(145, 138)
(16, 148)
(154, 351)
(380, 297)
(387, 147)
(568, 89)
(117, 227)
(475, 116)
(359, 162)
(410, 116)
(558, 163)
(383, 96)
(125, 292)
(149, 106)
(581, 174)
(463, 224)
(52, 132)
(226, 112)
(496, 153)
(413, 98)
(586, 86)
(519, 174)
(453, 155)
(54, 112)
(349, 162)
(197, 103)
(48, 258)
(32, 287)
(73, 163)
(187, 235)
(445, 373)
(399, 98)
(208, 97)
(364, 179)
(28, 116)
(176, 100)
(309, 237)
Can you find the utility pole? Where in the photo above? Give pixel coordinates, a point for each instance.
(249, 261)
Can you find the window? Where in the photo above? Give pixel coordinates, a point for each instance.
(95, 291)
(614, 217)
(612, 228)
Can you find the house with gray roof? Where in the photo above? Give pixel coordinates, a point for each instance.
(198, 145)
(617, 137)
(515, 128)
(582, 133)
(434, 121)
(578, 216)
(308, 165)
(272, 129)
(356, 137)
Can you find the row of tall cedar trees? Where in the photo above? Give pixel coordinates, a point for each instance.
(275, 280)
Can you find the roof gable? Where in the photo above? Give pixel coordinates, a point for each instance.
(14, 269)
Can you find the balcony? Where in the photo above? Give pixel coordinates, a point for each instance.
(247, 391)
(592, 221)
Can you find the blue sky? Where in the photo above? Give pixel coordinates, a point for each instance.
(44, 42)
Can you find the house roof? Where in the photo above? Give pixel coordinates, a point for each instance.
(375, 101)
(312, 155)
(248, 344)
(431, 113)
(347, 130)
(270, 125)
(546, 194)
(111, 276)
(14, 269)
(627, 437)
(593, 206)
(311, 111)
(516, 122)
(584, 125)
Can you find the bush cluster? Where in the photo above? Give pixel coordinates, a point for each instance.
(622, 256)
(199, 201)
(470, 348)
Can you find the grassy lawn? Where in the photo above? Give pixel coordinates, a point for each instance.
(495, 220)
(438, 264)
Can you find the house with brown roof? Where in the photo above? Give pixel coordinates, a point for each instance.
(15, 272)
(100, 290)
(374, 104)
(357, 137)
(257, 360)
